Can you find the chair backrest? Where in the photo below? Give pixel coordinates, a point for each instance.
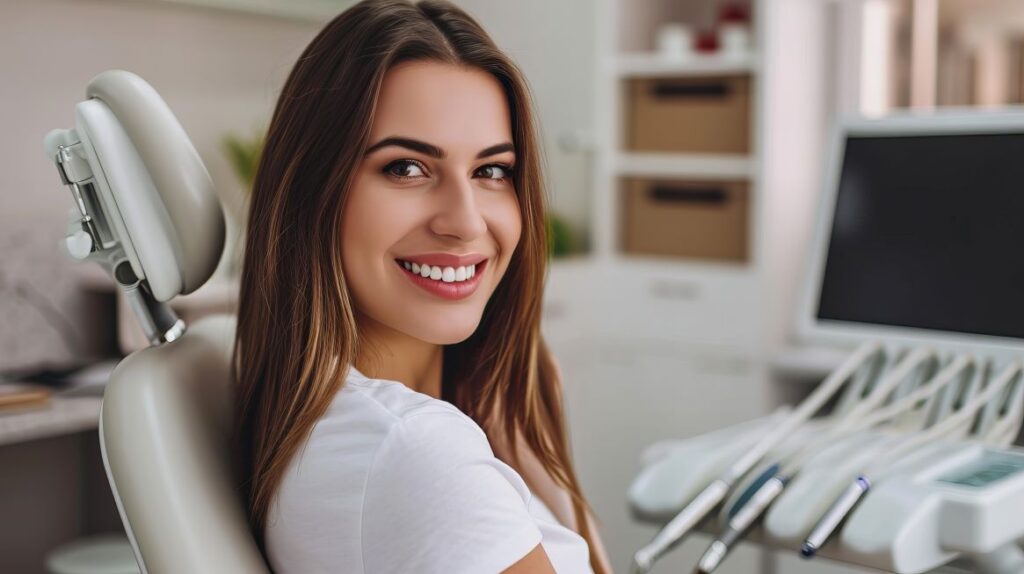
(164, 432)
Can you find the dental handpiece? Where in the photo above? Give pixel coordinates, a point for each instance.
(762, 498)
(678, 527)
(675, 531)
(834, 516)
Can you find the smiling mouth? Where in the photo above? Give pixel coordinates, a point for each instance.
(450, 283)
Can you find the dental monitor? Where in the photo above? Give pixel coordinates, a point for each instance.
(920, 233)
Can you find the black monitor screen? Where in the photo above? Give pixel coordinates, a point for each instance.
(929, 233)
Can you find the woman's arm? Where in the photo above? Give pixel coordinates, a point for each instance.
(535, 562)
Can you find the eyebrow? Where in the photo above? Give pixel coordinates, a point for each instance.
(432, 150)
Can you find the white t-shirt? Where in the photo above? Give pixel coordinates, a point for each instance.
(393, 480)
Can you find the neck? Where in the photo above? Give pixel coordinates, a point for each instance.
(385, 353)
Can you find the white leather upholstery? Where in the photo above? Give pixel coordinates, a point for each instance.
(185, 191)
(164, 430)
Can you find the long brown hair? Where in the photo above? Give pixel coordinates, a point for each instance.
(297, 334)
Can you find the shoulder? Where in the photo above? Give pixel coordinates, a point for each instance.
(417, 434)
(433, 439)
(437, 499)
(391, 399)
(374, 421)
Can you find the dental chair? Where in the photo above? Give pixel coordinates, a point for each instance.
(145, 211)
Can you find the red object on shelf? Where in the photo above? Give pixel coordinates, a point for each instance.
(734, 12)
(706, 41)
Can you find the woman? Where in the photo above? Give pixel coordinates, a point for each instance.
(397, 409)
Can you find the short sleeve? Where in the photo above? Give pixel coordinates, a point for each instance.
(438, 500)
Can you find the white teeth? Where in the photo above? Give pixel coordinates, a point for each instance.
(438, 273)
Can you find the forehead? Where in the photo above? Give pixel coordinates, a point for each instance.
(459, 109)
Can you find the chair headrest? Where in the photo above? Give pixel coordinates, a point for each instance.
(149, 197)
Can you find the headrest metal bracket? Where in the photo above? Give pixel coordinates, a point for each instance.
(159, 322)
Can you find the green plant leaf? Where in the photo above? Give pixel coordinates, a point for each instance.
(244, 156)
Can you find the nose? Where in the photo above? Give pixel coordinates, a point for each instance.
(457, 212)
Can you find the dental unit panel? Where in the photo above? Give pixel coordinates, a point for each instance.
(955, 427)
(965, 500)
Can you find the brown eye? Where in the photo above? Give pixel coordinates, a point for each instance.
(496, 171)
(404, 169)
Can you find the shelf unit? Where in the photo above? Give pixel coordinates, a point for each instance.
(703, 166)
(625, 52)
(645, 65)
(619, 61)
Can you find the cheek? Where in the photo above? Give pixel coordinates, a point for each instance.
(369, 227)
(506, 224)
(370, 224)
(356, 232)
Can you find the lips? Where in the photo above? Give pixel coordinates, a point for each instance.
(445, 259)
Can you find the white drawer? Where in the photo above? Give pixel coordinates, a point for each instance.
(711, 308)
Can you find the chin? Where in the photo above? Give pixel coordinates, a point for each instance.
(453, 332)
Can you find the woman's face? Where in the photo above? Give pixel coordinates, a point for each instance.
(432, 218)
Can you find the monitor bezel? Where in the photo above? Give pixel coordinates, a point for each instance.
(816, 331)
